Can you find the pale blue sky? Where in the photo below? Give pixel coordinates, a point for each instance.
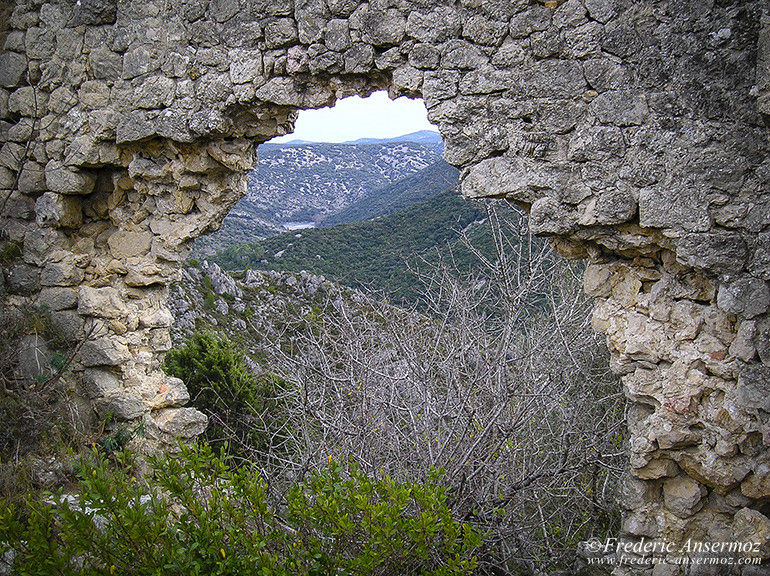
(352, 118)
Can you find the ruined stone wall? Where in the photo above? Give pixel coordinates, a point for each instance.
(632, 131)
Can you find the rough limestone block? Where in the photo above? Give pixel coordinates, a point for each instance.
(406, 80)
(753, 391)
(65, 180)
(753, 526)
(58, 211)
(103, 352)
(104, 302)
(105, 63)
(67, 325)
(23, 279)
(280, 33)
(33, 359)
(32, 178)
(436, 26)
(134, 127)
(95, 12)
(58, 298)
(682, 495)
(462, 55)
(127, 244)
(28, 101)
(757, 484)
(245, 65)
(67, 272)
(337, 35)
(743, 345)
(379, 27)
(172, 392)
(642, 522)
(181, 422)
(121, 406)
(161, 318)
(658, 468)
(747, 296)
(13, 69)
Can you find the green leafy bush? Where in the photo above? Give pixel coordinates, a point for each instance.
(201, 516)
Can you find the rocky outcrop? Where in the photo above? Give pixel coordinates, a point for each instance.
(633, 132)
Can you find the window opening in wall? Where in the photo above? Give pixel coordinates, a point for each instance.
(389, 322)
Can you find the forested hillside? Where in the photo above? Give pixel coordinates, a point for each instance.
(399, 195)
(368, 255)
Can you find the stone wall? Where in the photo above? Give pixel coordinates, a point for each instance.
(632, 131)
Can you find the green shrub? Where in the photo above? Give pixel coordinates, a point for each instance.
(243, 409)
(201, 516)
(209, 300)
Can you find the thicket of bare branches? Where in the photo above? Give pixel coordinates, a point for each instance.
(500, 381)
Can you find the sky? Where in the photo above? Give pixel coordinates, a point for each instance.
(352, 118)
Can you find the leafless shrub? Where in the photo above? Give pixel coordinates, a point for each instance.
(501, 382)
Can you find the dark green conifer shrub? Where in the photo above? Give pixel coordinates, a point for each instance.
(244, 409)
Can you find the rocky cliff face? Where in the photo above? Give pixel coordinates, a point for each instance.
(633, 132)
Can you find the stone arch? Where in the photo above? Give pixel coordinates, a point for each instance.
(632, 132)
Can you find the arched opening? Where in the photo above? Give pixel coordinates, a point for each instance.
(483, 360)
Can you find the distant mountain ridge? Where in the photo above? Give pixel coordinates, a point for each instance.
(429, 137)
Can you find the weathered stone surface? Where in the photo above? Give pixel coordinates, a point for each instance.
(682, 495)
(105, 63)
(126, 244)
(33, 358)
(748, 296)
(67, 325)
(172, 392)
(66, 272)
(121, 406)
(95, 12)
(58, 298)
(757, 484)
(378, 27)
(65, 180)
(23, 279)
(659, 468)
(134, 127)
(58, 211)
(437, 26)
(102, 302)
(99, 383)
(13, 69)
(103, 352)
(246, 65)
(28, 101)
(752, 526)
(161, 318)
(181, 422)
